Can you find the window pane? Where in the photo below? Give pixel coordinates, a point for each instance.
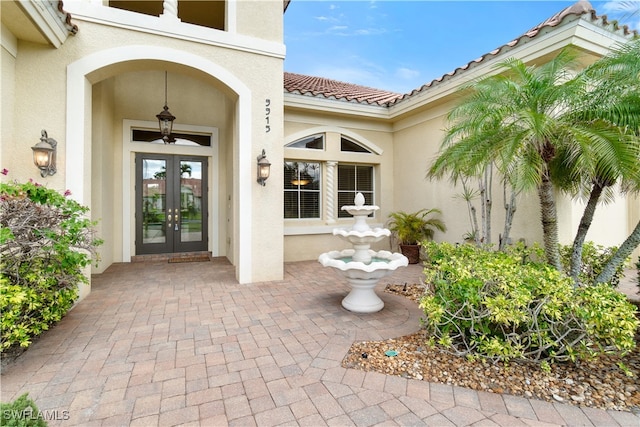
(290, 204)
(364, 178)
(345, 199)
(290, 174)
(315, 142)
(301, 189)
(309, 204)
(346, 178)
(313, 172)
(179, 138)
(353, 179)
(354, 147)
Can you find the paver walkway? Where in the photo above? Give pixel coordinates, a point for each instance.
(185, 344)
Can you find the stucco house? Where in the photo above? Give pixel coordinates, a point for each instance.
(95, 73)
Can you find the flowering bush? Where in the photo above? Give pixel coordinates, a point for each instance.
(505, 305)
(45, 242)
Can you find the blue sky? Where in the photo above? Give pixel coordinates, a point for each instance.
(401, 45)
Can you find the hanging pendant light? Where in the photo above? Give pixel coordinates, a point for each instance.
(165, 118)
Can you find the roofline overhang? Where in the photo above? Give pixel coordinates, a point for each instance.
(577, 31)
(593, 35)
(335, 106)
(52, 23)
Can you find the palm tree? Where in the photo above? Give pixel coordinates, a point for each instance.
(613, 105)
(525, 120)
(518, 120)
(628, 9)
(617, 82)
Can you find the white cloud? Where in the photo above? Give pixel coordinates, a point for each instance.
(627, 12)
(369, 74)
(406, 73)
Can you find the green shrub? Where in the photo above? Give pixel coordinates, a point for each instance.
(594, 258)
(22, 412)
(45, 243)
(505, 305)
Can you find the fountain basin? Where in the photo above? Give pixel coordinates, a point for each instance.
(367, 236)
(363, 277)
(382, 263)
(361, 241)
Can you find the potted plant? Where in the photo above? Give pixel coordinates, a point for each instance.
(411, 228)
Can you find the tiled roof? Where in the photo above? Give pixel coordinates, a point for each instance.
(71, 27)
(331, 89)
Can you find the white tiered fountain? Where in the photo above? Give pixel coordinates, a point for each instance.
(361, 266)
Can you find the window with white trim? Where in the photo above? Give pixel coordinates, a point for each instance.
(318, 182)
(353, 179)
(301, 189)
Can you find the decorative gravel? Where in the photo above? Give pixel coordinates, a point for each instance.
(599, 384)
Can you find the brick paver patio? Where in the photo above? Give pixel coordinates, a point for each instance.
(185, 344)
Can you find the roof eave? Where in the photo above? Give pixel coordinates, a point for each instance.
(53, 23)
(334, 106)
(586, 32)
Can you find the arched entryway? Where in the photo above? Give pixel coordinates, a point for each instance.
(109, 89)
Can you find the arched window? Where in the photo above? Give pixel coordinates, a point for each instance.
(323, 172)
(349, 145)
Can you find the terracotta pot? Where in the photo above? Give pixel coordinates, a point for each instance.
(412, 252)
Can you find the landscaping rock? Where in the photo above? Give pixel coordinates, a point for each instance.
(599, 383)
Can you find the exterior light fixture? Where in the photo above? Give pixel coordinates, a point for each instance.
(44, 154)
(165, 118)
(264, 168)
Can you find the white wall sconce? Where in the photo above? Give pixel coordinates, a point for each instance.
(44, 154)
(264, 168)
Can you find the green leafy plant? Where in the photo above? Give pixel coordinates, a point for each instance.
(22, 412)
(45, 243)
(412, 228)
(507, 305)
(594, 258)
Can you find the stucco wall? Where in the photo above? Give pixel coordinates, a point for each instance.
(7, 102)
(104, 176)
(306, 239)
(416, 145)
(415, 148)
(195, 96)
(262, 19)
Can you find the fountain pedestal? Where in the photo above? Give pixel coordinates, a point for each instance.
(361, 266)
(363, 298)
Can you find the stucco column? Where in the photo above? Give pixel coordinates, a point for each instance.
(331, 194)
(170, 10)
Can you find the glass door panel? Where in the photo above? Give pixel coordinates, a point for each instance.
(191, 198)
(171, 204)
(154, 201)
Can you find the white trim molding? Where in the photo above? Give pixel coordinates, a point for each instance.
(81, 74)
(335, 129)
(130, 147)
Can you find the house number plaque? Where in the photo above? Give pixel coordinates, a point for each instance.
(267, 112)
